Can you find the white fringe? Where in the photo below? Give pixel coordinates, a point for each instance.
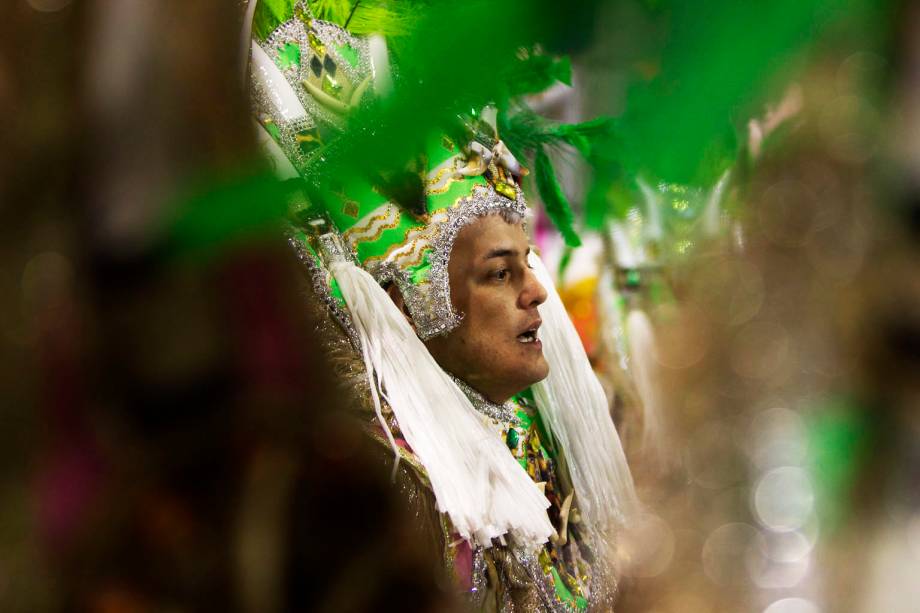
(572, 402)
(611, 319)
(476, 481)
(644, 370)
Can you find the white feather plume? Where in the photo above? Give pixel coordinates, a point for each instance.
(476, 481)
(572, 402)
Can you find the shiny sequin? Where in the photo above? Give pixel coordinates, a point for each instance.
(321, 288)
(506, 412)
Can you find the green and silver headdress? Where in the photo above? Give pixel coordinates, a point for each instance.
(328, 72)
(411, 247)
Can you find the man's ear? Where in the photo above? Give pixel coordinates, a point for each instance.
(400, 302)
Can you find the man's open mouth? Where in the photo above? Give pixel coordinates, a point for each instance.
(529, 335)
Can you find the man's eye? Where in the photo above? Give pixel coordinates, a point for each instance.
(502, 274)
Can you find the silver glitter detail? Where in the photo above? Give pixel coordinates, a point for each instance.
(288, 141)
(331, 33)
(543, 582)
(333, 249)
(479, 580)
(321, 287)
(603, 587)
(505, 413)
(417, 298)
(387, 272)
(436, 314)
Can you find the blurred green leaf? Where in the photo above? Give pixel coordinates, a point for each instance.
(224, 207)
(841, 435)
(718, 58)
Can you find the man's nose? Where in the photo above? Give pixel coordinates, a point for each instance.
(533, 293)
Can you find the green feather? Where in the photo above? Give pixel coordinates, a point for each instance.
(521, 131)
(536, 72)
(390, 19)
(336, 11)
(524, 131)
(583, 136)
(555, 203)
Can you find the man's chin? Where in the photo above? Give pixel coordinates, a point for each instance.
(534, 373)
(508, 378)
(543, 372)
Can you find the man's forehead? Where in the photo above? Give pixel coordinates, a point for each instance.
(492, 236)
(502, 251)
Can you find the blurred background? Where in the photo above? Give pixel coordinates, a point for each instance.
(728, 192)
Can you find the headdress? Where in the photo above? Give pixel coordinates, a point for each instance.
(367, 233)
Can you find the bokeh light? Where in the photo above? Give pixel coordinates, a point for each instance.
(792, 605)
(783, 498)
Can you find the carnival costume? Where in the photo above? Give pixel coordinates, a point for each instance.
(527, 493)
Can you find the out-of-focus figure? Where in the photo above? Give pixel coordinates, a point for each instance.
(185, 450)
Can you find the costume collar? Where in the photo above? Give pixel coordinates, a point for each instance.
(506, 412)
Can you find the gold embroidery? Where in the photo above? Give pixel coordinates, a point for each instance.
(363, 238)
(413, 255)
(369, 231)
(399, 259)
(434, 191)
(439, 175)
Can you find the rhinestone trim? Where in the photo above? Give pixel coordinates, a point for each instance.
(294, 31)
(320, 278)
(505, 413)
(334, 249)
(603, 583)
(543, 582)
(477, 591)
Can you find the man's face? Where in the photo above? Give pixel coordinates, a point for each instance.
(494, 349)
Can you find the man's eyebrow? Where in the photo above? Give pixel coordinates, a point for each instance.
(502, 252)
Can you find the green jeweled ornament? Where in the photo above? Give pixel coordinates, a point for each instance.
(316, 44)
(301, 13)
(512, 438)
(288, 56)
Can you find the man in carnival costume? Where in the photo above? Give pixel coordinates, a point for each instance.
(476, 377)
